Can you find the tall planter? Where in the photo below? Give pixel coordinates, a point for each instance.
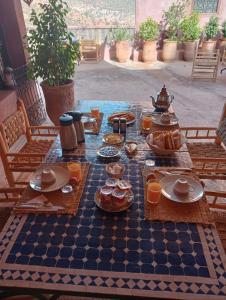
(59, 99)
(169, 52)
(122, 51)
(189, 50)
(149, 52)
(209, 46)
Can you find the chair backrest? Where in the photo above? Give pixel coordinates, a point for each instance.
(221, 130)
(15, 126)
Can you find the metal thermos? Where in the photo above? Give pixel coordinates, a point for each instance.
(68, 136)
(77, 116)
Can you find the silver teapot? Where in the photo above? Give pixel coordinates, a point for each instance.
(163, 101)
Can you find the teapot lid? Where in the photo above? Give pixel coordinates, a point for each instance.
(163, 91)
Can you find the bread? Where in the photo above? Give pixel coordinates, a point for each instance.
(170, 140)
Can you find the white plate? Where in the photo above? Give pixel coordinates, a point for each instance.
(62, 178)
(194, 194)
(157, 120)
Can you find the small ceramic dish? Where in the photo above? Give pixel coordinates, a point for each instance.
(108, 152)
(115, 170)
(131, 147)
(113, 138)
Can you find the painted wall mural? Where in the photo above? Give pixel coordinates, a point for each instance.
(94, 13)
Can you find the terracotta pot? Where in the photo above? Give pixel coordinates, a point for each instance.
(149, 51)
(189, 50)
(223, 43)
(122, 51)
(59, 99)
(169, 51)
(209, 46)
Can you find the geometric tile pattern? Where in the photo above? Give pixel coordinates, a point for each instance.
(99, 250)
(112, 254)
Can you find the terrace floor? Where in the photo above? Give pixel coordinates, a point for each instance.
(197, 102)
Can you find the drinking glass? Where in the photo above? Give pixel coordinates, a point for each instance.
(95, 112)
(153, 191)
(146, 120)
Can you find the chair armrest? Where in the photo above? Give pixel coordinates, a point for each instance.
(44, 130)
(199, 132)
(214, 196)
(209, 168)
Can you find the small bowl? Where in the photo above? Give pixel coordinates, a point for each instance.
(47, 176)
(181, 186)
(165, 118)
(128, 143)
(109, 167)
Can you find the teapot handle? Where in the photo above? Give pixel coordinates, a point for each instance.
(153, 100)
(171, 98)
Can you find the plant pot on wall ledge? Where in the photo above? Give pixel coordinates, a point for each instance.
(169, 51)
(149, 51)
(59, 99)
(189, 50)
(122, 51)
(209, 46)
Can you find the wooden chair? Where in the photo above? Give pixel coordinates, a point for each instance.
(205, 65)
(205, 141)
(23, 147)
(217, 204)
(90, 50)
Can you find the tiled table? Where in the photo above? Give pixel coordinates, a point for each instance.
(96, 253)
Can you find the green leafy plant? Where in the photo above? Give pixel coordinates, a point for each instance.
(190, 28)
(211, 28)
(224, 29)
(149, 30)
(172, 18)
(121, 34)
(53, 52)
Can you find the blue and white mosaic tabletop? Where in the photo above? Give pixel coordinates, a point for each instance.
(99, 253)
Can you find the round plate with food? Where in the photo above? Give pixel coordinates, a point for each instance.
(111, 207)
(108, 152)
(113, 138)
(130, 117)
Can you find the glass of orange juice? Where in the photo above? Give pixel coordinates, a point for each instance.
(153, 192)
(95, 112)
(75, 170)
(146, 120)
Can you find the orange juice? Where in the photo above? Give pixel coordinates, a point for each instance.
(75, 170)
(146, 122)
(153, 194)
(95, 113)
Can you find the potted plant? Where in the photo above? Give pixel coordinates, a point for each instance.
(149, 31)
(223, 39)
(191, 31)
(210, 32)
(53, 55)
(171, 26)
(121, 37)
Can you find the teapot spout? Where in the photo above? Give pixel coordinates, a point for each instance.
(153, 101)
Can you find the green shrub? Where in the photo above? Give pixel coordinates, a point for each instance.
(211, 28)
(190, 28)
(149, 30)
(53, 54)
(172, 18)
(224, 29)
(121, 34)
